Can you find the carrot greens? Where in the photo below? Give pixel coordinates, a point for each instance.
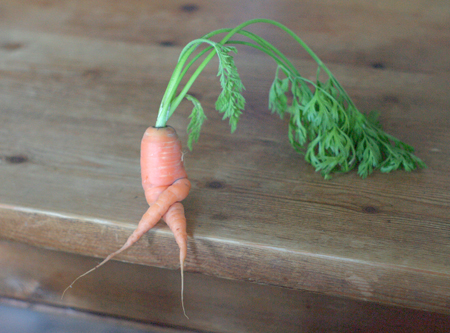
(324, 123)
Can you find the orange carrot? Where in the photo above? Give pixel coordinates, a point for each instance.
(165, 183)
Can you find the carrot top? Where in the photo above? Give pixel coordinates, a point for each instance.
(324, 123)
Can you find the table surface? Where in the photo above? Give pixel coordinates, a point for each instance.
(81, 81)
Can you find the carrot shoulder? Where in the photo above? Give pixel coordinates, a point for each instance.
(161, 158)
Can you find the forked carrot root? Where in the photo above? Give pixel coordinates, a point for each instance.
(165, 183)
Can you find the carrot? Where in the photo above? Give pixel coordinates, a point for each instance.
(324, 125)
(165, 184)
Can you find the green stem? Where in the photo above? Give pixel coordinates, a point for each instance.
(198, 56)
(170, 103)
(166, 109)
(188, 85)
(263, 46)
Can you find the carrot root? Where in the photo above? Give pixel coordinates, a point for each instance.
(165, 183)
(108, 258)
(176, 221)
(182, 287)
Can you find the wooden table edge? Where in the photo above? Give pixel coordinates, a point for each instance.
(330, 275)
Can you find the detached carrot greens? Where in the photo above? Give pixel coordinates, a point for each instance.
(324, 123)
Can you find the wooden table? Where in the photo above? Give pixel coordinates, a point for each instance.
(272, 245)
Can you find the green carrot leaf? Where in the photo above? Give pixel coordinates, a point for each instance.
(278, 100)
(197, 118)
(230, 101)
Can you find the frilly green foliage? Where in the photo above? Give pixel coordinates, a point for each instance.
(324, 124)
(332, 134)
(230, 101)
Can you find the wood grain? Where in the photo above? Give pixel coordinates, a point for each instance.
(384, 34)
(80, 82)
(151, 295)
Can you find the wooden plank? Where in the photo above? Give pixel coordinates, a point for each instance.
(384, 33)
(73, 109)
(151, 295)
(24, 316)
(326, 230)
